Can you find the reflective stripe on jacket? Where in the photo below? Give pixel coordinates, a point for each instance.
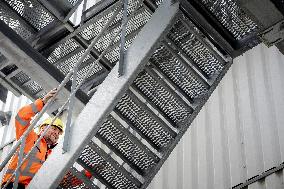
(39, 154)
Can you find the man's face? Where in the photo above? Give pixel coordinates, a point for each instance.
(52, 134)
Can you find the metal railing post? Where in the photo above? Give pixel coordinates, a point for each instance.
(122, 39)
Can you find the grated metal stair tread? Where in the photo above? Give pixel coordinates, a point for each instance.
(114, 175)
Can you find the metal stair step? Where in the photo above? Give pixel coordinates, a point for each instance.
(194, 49)
(191, 28)
(171, 106)
(148, 125)
(16, 22)
(179, 51)
(76, 179)
(180, 60)
(113, 175)
(33, 12)
(127, 146)
(60, 50)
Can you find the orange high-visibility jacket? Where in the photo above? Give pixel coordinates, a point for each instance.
(39, 154)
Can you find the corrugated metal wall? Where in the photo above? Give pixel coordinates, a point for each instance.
(13, 103)
(7, 133)
(238, 134)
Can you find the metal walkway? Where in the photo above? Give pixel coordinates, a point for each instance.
(176, 56)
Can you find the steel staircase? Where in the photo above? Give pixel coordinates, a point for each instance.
(147, 111)
(130, 124)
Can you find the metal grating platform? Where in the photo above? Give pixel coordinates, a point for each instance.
(32, 11)
(231, 16)
(12, 20)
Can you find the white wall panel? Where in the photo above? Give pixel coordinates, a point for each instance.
(238, 134)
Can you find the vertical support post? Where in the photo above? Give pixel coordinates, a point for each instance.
(72, 95)
(122, 39)
(83, 17)
(70, 111)
(21, 154)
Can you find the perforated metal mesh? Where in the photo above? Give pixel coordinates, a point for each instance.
(111, 133)
(20, 78)
(162, 98)
(177, 72)
(113, 177)
(231, 16)
(68, 64)
(82, 72)
(114, 54)
(192, 47)
(33, 88)
(9, 69)
(143, 122)
(96, 24)
(158, 2)
(11, 20)
(92, 30)
(73, 2)
(70, 181)
(62, 50)
(134, 24)
(32, 11)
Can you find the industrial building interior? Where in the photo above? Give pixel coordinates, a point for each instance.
(170, 94)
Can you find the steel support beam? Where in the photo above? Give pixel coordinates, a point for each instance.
(107, 96)
(259, 177)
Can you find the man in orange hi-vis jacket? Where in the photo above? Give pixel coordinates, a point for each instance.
(43, 149)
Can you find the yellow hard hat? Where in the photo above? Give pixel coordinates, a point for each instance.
(57, 122)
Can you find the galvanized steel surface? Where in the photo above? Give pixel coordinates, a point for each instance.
(238, 134)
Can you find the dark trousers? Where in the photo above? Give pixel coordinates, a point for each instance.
(10, 186)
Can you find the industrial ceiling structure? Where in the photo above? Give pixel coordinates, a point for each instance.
(188, 56)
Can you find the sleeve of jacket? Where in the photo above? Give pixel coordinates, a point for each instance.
(24, 116)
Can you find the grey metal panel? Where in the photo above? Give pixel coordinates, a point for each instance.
(238, 134)
(263, 12)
